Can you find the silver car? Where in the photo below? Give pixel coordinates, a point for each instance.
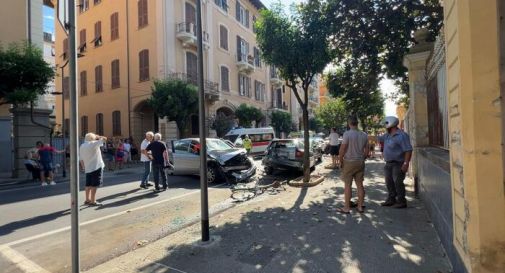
(223, 161)
(286, 154)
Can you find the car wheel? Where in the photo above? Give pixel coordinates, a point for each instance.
(269, 170)
(212, 174)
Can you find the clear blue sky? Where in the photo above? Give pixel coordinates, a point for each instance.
(48, 15)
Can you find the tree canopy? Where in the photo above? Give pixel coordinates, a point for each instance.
(24, 74)
(176, 100)
(247, 114)
(332, 114)
(281, 122)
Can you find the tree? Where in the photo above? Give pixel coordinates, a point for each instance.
(332, 114)
(298, 46)
(281, 122)
(358, 88)
(24, 74)
(176, 100)
(315, 125)
(222, 124)
(247, 114)
(381, 32)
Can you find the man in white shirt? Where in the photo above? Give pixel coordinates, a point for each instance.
(92, 163)
(334, 147)
(144, 183)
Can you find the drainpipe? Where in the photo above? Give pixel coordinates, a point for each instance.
(128, 68)
(29, 13)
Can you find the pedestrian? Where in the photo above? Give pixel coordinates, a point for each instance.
(127, 152)
(120, 153)
(144, 158)
(353, 152)
(247, 144)
(397, 154)
(334, 147)
(91, 161)
(45, 154)
(159, 159)
(109, 154)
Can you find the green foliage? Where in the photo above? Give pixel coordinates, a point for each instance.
(24, 75)
(298, 46)
(176, 100)
(380, 32)
(222, 124)
(281, 122)
(247, 114)
(332, 114)
(315, 125)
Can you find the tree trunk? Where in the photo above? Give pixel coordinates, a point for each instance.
(306, 145)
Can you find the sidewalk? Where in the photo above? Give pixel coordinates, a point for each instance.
(299, 231)
(7, 183)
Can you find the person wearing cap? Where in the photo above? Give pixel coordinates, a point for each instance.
(397, 154)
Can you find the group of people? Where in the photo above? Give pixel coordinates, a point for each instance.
(154, 156)
(119, 152)
(354, 150)
(39, 162)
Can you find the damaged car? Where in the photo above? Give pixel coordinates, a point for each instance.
(224, 163)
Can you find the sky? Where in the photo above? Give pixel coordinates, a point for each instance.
(48, 15)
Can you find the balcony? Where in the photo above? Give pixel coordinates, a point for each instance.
(274, 78)
(279, 107)
(186, 32)
(210, 88)
(245, 63)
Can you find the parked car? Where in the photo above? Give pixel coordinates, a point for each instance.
(318, 147)
(286, 154)
(223, 161)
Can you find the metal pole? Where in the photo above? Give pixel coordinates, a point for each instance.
(74, 141)
(203, 136)
(64, 172)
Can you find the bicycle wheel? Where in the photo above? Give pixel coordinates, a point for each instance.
(241, 195)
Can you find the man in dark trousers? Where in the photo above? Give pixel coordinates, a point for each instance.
(159, 158)
(397, 154)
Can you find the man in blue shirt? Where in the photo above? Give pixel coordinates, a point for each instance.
(397, 154)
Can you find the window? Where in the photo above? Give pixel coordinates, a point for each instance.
(225, 79)
(242, 15)
(65, 49)
(114, 26)
(191, 67)
(82, 41)
(97, 41)
(259, 90)
(65, 86)
(242, 50)
(96, 2)
(223, 37)
(142, 13)
(99, 124)
(116, 123)
(257, 61)
(182, 146)
(223, 4)
(144, 65)
(98, 79)
(84, 125)
(254, 23)
(84, 83)
(67, 126)
(115, 80)
(83, 5)
(244, 85)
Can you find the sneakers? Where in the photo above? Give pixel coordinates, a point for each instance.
(44, 184)
(52, 183)
(142, 186)
(388, 203)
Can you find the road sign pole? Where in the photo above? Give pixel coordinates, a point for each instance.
(74, 141)
(203, 136)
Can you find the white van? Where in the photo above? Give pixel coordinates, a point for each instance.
(261, 138)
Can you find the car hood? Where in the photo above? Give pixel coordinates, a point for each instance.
(225, 155)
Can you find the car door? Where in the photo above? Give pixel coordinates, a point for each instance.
(182, 157)
(193, 158)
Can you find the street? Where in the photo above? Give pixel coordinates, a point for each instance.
(35, 221)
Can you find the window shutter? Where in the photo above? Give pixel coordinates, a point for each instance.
(247, 18)
(84, 125)
(140, 12)
(99, 124)
(223, 37)
(225, 81)
(115, 78)
(116, 123)
(65, 48)
(145, 13)
(84, 80)
(239, 51)
(82, 37)
(237, 11)
(98, 79)
(65, 87)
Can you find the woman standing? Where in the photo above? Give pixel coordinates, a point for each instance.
(120, 153)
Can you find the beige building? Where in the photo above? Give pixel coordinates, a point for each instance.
(125, 45)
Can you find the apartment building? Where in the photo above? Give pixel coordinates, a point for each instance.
(125, 45)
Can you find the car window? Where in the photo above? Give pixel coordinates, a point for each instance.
(181, 146)
(231, 138)
(217, 144)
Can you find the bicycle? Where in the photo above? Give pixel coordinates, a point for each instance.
(241, 192)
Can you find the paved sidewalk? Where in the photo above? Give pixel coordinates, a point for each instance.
(299, 231)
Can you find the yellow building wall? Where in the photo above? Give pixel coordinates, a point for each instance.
(475, 123)
(13, 21)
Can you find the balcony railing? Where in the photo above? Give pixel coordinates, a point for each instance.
(186, 32)
(210, 88)
(274, 77)
(245, 63)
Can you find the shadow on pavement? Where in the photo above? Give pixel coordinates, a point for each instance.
(307, 235)
(13, 226)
